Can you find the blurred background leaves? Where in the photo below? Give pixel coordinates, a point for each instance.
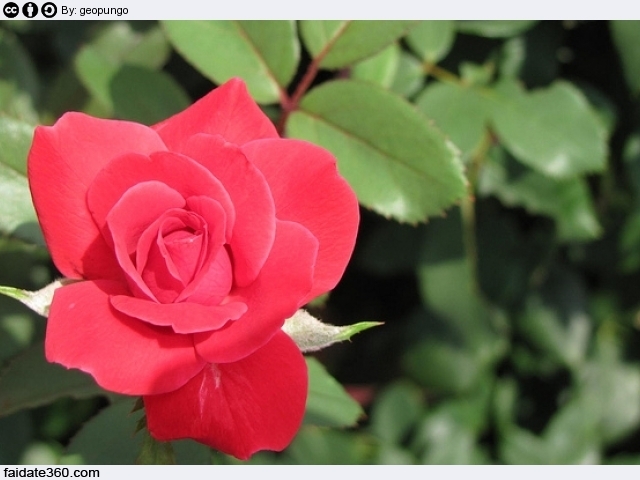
(498, 168)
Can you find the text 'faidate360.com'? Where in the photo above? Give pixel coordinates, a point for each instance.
(49, 10)
(50, 472)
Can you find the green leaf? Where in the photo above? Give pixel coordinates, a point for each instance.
(448, 435)
(553, 130)
(495, 28)
(145, 96)
(611, 389)
(328, 404)
(568, 202)
(19, 87)
(452, 369)
(565, 338)
(95, 72)
(409, 76)
(626, 36)
(432, 39)
(341, 43)
(381, 68)
(315, 446)
(310, 334)
(17, 216)
(395, 412)
(264, 54)
(462, 113)
(98, 62)
(398, 164)
(30, 381)
(394, 455)
(15, 138)
(108, 438)
(570, 437)
(521, 447)
(120, 42)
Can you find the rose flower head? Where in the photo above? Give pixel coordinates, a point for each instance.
(191, 242)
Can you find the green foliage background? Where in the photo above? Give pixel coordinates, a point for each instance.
(498, 168)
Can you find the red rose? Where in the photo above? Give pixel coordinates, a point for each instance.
(194, 240)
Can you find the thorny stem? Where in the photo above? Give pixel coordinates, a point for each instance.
(290, 104)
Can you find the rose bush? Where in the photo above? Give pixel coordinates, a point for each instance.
(191, 242)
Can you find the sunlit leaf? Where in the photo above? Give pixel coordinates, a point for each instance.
(17, 216)
(342, 43)
(432, 39)
(264, 54)
(379, 69)
(461, 112)
(317, 446)
(553, 130)
(396, 410)
(409, 76)
(398, 164)
(568, 202)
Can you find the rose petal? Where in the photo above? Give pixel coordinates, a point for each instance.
(160, 270)
(157, 273)
(255, 225)
(181, 317)
(213, 282)
(215, 276)
(63, 160)
(138, 207)
(228, 110)
(123, 354)
(185, 248)
(238, 408)
(308, 190)
(276, 294)
(181, 173)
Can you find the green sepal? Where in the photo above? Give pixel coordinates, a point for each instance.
(310, 334)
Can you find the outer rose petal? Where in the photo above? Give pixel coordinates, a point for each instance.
(255, 227)
(228, 110)
(63, 161)
(308, 190)
(238, 408)
(181, 317)
(123, 354)
(277, 293)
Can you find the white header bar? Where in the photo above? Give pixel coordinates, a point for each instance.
(321, 9)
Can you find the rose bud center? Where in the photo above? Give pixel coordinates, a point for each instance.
(181, 260)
